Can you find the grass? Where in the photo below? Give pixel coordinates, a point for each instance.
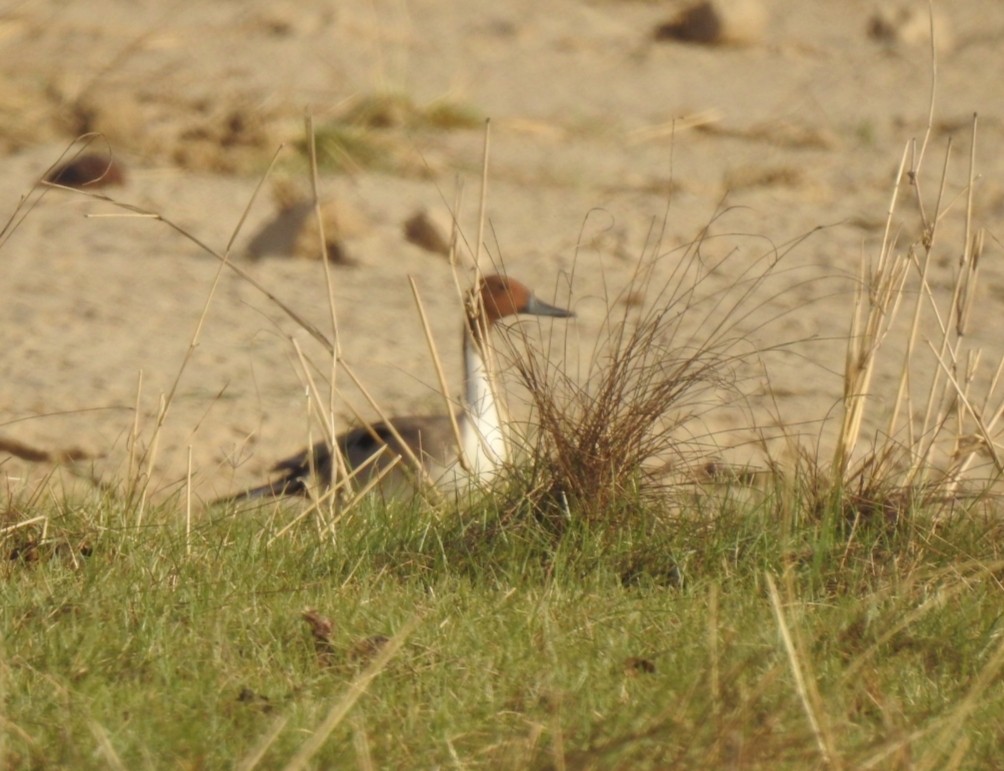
(668, 353)
(143, 647)
(370, 132)
(844, 612)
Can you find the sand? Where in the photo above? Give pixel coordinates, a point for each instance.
(607, 148)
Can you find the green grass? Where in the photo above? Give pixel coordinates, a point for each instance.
(653, 644)
(372, 132)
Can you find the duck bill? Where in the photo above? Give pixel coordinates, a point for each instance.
(537, 307)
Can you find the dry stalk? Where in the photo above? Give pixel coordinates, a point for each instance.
(251, 760)
(338, 468)
(341, 708)
(440, 374)
(41, 188)
(339, 473)
(805, 686)
(903, 401)
(145, 461)
(881, 288)
(949, 396)
(412, 459)
(948, 387)
(952, 421)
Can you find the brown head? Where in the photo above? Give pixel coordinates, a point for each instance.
(502, 296)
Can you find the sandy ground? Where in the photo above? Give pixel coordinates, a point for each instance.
(800, 129)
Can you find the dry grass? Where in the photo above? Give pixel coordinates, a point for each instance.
(607, 441)
(931, 446)
(668, 355)
(940, 444)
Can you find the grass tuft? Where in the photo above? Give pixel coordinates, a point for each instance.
(370, 132)
(623, 437)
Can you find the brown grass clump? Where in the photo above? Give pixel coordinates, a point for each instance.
(668, 355)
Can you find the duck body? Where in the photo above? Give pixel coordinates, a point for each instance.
(373, 449)
(432, 440)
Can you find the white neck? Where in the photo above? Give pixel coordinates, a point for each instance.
(481, 432)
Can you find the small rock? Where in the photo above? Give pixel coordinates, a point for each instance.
(88, 170)
(717, 22)
(293, 231)
(428, 231)
(341, 221)
(910, 26)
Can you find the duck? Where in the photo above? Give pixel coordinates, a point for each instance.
(467, 448)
